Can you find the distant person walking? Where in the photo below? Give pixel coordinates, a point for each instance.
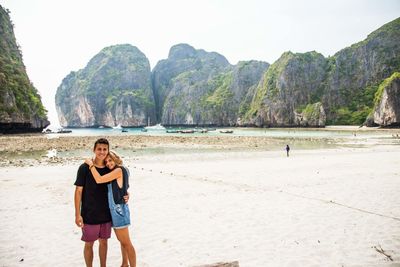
(287, 150)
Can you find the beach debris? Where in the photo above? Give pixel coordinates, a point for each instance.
(380, 250)
(52, 153)
(21, 260)
(221, 264)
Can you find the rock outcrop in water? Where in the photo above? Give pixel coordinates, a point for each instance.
(21, 108)
(387, 102)
(113, 89)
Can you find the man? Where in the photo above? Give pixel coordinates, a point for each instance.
(287, 150)
(92, 212)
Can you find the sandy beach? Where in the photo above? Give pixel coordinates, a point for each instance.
(318, 207)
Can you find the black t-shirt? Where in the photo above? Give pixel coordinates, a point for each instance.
(94, 208)
(119, 193)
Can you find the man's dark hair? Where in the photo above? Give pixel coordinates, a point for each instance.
(101, 141)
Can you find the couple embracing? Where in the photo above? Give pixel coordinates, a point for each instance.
(101, 204)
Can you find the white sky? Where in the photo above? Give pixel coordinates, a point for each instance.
(59, 36)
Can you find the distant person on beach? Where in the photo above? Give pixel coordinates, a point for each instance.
(117, 183)
(92, 212)
(287, 150)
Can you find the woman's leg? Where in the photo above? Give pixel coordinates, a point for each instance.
(124, 254)
(126, 245)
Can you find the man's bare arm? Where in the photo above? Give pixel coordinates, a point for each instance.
(77, 202)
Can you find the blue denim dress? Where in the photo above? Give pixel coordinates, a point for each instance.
(120, 214)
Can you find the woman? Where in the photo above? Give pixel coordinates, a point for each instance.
(117, 188)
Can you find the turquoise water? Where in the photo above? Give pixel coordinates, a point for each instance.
(298, 138)
(266, 132)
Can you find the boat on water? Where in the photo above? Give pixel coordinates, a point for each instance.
(157, 127)
(64, 131)
(58, 131)
(226, 131)
(187, 131)
(118, 127)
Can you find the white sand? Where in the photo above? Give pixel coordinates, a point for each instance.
(259, 208)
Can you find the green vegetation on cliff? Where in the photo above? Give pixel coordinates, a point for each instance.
(114, 88)
(359, 105)
(18, 97)
(295, 79)
(345, 83)
(382, 86)
(219, 102)
(356, 72)
(386, 111)
(193, 86)
(268, 86)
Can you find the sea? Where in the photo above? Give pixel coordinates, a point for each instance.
(327, 132)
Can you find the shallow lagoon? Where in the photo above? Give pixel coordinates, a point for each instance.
(327, 132)
(297, 138)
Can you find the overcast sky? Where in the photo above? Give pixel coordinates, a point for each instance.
(60, 36)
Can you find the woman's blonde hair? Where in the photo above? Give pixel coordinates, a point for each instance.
(115, 158)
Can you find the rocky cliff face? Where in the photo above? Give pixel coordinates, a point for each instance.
(182, 80)
(286, 88)
(195, 87)
(227, 103)
(21, 109)
(344, 84)
(202, 88)
(387, 102)
(356, 72)
(113, 89)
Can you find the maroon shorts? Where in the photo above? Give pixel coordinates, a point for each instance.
(92, 232)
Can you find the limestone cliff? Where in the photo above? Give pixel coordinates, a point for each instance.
(21, 108)
(344, 84)
(182, 80)
(113, 89)
(286, 88)
(356, 72)
(195, 87)
(227, 103)
(387, 102)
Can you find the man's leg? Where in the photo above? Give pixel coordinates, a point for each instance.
(103, 252)
(88, 253)
(105, 233)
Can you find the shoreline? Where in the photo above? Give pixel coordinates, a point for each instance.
(42, 149)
